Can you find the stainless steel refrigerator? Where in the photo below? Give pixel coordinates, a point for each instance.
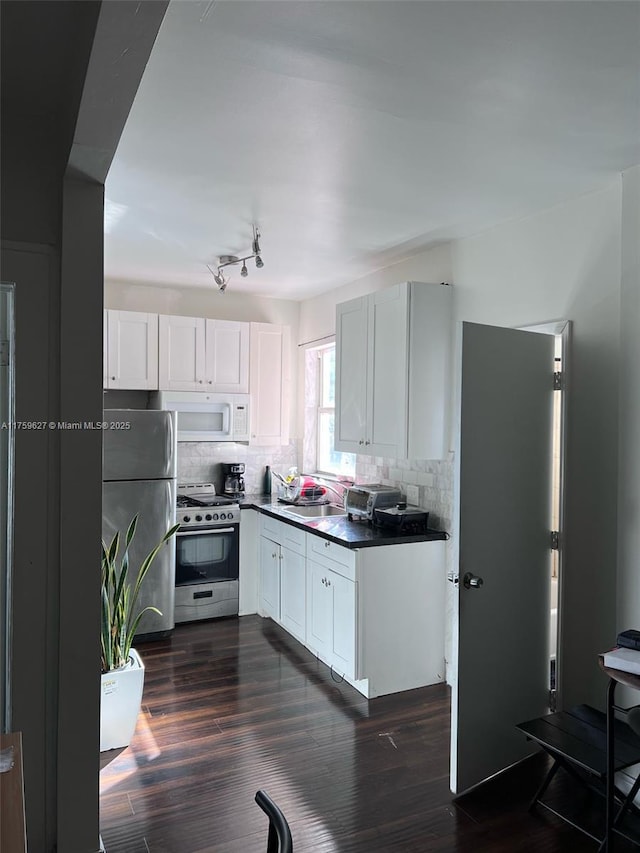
(139, 476)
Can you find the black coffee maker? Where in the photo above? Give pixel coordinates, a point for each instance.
(233, 486)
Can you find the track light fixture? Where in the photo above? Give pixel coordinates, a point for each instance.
(232, 260)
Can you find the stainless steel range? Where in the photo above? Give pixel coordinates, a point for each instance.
(207, 553)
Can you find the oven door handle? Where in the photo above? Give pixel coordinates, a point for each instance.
(206, 531)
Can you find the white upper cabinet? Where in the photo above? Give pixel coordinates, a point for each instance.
(269, 383)
(227, 356)
(371, 370)
(392, 371)
(131, 350)
(351, 370)
(196, 354)
(181, 353)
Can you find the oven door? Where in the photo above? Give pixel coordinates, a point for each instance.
(207, 556)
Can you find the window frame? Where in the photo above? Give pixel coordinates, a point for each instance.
(320, 353)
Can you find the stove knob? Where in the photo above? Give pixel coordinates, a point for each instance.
(208, 516)
(187, 519)
(215, 516)
(222, 515)
(198, 518)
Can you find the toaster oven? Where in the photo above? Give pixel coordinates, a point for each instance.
(362, 501)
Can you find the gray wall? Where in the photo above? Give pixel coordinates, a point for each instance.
(54, 160)
(628, 615)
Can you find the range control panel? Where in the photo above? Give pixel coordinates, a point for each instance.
(207, 516)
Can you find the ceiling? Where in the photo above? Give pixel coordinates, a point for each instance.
(358, 133)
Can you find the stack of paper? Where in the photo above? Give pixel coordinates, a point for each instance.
(628, 660)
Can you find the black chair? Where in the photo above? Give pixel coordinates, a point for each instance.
(279, 839)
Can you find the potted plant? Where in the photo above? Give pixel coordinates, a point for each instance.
(122, 668)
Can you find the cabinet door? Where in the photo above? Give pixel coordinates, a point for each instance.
(388, 372)
(319, 611)
(132, 350)
(269, 383)
(269, 578)
(343, 638)
(227, 356)
(293, 593)
(181, 353)
(351, 375)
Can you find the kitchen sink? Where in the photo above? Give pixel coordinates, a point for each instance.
(320, 511)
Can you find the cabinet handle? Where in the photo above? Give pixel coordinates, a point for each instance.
(113, 377)
(210, 382)
(328, 583)
(280, 557)
(361, 441)
(327, 544)
(367, 441)
(273, 556)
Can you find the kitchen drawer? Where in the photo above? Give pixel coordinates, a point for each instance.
(271, 528)
(283, 533)
(335, 557)
(294, 538)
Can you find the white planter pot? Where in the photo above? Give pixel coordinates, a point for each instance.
(120, 700)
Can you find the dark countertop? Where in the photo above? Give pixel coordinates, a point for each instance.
(338, 528)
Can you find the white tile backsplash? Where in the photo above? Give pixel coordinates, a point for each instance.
(200, 461)
(433, 477)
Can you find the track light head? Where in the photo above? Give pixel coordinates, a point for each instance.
(244, 272)
(259, 262)
(222, 287)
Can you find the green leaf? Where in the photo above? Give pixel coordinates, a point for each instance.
(119, 596)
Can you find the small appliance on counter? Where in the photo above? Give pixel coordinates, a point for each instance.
(233, 486)
(402, 518)
(362, 501)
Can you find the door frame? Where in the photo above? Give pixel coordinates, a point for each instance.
(560, 329)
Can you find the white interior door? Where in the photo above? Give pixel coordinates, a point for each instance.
(503, 465)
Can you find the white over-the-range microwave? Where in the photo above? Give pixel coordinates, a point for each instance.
(207, 417)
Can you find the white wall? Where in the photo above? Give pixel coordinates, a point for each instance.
(318, 315)
(563, 263)
(201, 302)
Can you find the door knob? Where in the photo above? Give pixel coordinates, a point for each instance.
(470, 581)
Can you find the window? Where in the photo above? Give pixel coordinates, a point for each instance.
(329, 460)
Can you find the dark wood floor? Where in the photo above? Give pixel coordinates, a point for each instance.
(234, 705)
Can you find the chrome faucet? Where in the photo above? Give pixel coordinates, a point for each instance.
(339, 495)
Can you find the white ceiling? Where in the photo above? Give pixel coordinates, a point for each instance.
(357, 133)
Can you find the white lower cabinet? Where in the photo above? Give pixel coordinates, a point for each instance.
(319, 610)
(269, 578)
(376, 615)
(282, 575)
(331, 618)
(293, 593)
